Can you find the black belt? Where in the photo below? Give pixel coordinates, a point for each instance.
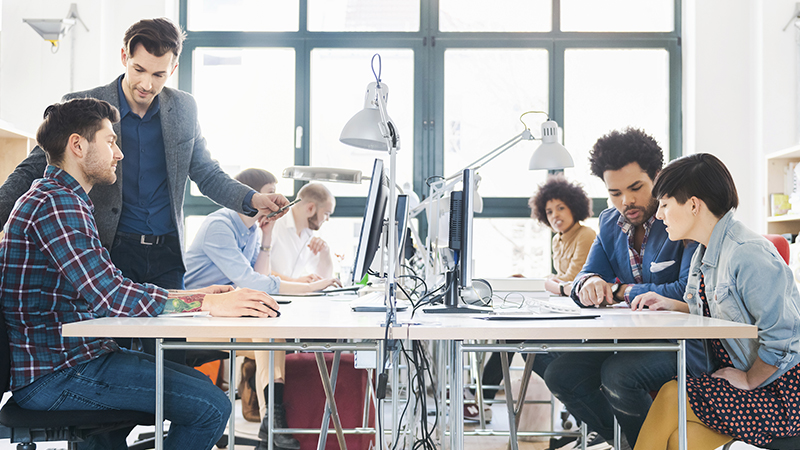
(143, 238)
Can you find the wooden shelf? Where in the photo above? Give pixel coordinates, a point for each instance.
(784, 218)
(14, 147)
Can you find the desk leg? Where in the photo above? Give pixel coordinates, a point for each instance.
(456, 397)
(159, 395)
(682, 443)
(271, 399)
(326, 384)
(232, 396)
(512, 420)
(442, 358)
(326, 417)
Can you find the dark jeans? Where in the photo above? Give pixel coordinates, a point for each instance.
(197, 410)
(160, 264)
(596, 386)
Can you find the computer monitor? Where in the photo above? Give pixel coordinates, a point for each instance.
(459, 280)
(401, 218)
(372, 223)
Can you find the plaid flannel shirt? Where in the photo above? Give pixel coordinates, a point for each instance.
(55, 271)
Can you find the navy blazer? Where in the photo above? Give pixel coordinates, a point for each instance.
(665, 264)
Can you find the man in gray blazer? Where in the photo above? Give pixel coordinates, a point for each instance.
(140, 217)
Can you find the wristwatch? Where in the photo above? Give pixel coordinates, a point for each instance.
(561, 287)
(614, 289)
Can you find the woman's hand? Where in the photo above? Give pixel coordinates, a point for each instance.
(310, 278)
(657, 302)
(551, 285)
(239, 303)
(735, 377)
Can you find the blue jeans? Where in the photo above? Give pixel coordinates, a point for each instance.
(596, 386)
(198, 410)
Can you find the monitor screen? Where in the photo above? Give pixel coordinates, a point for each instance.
(371, 224)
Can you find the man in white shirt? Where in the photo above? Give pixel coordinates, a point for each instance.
(298, 255)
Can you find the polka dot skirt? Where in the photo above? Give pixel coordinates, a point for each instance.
(755, 417)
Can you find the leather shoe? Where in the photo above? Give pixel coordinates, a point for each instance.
(250, 409)
(279, 441)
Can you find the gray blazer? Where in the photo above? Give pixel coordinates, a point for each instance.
(186, 157)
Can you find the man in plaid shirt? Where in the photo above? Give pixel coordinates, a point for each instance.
(56, 271)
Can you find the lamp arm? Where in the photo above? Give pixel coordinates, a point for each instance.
(480, 162)
(455, 178)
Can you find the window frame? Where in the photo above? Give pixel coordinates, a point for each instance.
(429, 46)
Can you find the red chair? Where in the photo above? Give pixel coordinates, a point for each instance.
(781, 244)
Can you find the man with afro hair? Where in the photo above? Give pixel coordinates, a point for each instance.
(632, 255)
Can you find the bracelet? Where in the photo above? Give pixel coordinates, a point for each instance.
(265, 249)
(561, 289)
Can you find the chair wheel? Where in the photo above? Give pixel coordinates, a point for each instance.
(566, 425)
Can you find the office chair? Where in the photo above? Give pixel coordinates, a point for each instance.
(25, 426)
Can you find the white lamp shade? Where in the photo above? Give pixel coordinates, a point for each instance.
(336, 175)
(550, 155)
(51, 29)
(363, 130)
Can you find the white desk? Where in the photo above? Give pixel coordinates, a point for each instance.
(305, 318)
(613, 323)
(321, 318)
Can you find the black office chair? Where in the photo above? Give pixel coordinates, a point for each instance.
(25, 426)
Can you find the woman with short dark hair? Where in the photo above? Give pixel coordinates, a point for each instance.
(749, 388)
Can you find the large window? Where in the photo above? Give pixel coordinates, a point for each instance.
(276, 81)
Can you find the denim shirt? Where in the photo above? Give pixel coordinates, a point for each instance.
(747, 281)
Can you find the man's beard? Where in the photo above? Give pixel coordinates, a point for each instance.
(314, 222)
(647, 213)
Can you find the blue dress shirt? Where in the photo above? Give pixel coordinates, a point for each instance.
(224, 251)
(145, 189)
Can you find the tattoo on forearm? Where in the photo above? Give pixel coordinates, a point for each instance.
(184, 303)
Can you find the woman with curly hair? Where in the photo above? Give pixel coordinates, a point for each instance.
(562, 206)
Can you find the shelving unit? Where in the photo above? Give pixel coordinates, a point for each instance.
(14, 147)
(776, 166)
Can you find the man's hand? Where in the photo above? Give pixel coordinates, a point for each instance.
(216, 289)
(325, 282)
(317, 245)
(657, 302)
(270, 203)
(735, 377)
(241, 302)
(596, 292)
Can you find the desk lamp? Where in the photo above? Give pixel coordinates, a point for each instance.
(373, 129)
(52, 30)
(549, 155)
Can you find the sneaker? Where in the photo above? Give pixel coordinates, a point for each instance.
(472, 413)
(594, 442)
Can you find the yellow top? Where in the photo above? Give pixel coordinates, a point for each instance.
(570, 250)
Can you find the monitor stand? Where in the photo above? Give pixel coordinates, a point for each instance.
(452, 302)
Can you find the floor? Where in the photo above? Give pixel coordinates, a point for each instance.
(250, 429)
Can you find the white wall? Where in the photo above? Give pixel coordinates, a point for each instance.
(740, 89)
(31, 77)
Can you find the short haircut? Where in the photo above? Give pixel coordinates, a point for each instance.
(315, 193)
(557, 187)
(618, 149)
(82, 116)
(700, 175)
(158, 36)
(255, 178)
